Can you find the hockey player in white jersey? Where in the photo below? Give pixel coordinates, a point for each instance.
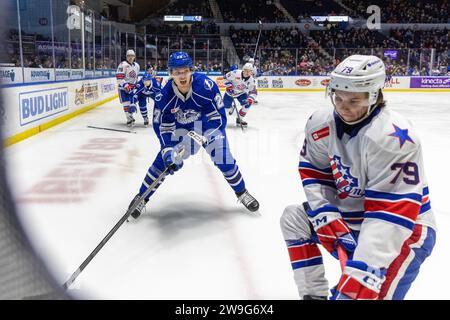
(255, 76)
(363, 175)
(127, 78)
(239, 84)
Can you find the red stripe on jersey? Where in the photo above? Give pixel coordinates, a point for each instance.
(120, 76)
(304, 251)
(311, 174)
(319, 134)
(398, 262)
(425, 199)
(355, 290)
(404, 208)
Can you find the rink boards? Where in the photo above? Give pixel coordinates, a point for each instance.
(33, 107)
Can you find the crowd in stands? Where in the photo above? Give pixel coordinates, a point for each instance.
(288, 51)
(301, 9)
(184, 29)
(189, 8)
(251, 11)
(404, 11)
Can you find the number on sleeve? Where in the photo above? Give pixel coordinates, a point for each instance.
(409, 169)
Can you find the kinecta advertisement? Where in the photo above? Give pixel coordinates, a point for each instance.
(34, 105)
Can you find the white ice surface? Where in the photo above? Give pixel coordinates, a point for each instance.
(195, 242)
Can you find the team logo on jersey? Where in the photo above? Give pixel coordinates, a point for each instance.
(187, 116)
(346, 184)
(158, 97)
(132, 74)
(209, 84)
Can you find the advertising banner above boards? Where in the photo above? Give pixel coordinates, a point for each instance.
(11, 75)
(32, 107)
(430, 82)
(38, 75)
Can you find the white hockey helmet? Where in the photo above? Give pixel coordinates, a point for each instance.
(131, 53)
(247, 66)
(359, 73)
(251, 60)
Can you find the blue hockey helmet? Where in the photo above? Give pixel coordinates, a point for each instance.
(179, 59)
(147, 76)
(234, 67)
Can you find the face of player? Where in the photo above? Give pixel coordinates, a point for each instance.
(247, 73)
(351, 106)
(182, 78)
(147, 83)
(130, 59)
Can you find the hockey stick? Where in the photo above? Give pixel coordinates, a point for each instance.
(257, 41)
(73, 277)
(118, 130)
(342, 254)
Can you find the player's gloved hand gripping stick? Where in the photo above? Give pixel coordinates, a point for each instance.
(334, 244)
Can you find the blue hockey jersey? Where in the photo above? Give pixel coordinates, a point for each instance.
(201, 109)
(152, 91)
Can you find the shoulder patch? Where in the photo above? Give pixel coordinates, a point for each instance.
(208, 84)
(322, 133)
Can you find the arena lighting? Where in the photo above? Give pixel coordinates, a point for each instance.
(183, 18)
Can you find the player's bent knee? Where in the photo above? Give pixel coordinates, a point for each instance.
(294, 220)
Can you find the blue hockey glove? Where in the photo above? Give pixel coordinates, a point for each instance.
(171, 162)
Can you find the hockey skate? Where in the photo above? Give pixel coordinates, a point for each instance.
(139, 209)
(241, 122)
(146, 122)
(130, 120)
(248, 200)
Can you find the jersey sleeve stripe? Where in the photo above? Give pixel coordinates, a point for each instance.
(312, 174)
(407, 223)
(425, 207)
(308, 182)
(308, 165)
(405, 209)
(393, 196)
(326, 208)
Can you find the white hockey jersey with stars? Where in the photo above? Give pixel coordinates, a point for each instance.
(127, 73)
(372, 175)
(240, 85)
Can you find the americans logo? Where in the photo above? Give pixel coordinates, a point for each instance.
(346, 184)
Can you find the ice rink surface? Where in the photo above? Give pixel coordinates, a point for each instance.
(72, 184)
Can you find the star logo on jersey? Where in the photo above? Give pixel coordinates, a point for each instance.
(346, 184)
(402, 135)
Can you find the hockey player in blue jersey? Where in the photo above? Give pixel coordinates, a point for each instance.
(147, 87)
(191, 103)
